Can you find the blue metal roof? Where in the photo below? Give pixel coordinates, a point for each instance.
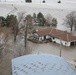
(41, 64)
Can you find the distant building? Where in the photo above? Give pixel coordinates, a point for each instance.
(28, 1)
(41, 64)
(55, 35)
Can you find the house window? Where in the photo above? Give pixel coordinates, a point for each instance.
(72, 43)
(53, 38)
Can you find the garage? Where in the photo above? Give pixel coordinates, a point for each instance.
(72, 43)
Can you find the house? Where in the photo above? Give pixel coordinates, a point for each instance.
(41, 64)
(55, 35)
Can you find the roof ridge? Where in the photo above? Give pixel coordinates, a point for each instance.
(67, 37)
(51, 31)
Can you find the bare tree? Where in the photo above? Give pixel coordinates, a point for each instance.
(3, 42)
(54, 22)
(28, 27)
(25, 36)
(34, 18)
(70, 20)
(15, 25)
(48, 19)
(29, 23)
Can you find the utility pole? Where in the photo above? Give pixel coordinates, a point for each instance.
(60, 47)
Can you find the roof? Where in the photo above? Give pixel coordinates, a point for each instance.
(43, 31)
(41, 64)
(63, 35)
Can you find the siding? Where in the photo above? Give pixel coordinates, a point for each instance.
(65, 43)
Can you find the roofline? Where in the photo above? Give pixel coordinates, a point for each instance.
(62, 33)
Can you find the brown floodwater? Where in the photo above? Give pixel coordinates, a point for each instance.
(69, 53)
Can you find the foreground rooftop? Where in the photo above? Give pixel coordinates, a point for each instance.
(41, 64)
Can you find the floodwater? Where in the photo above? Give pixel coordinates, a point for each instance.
(69, 53)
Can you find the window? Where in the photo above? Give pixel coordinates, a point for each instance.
(53, 38)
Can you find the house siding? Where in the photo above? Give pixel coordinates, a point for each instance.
(47, 37)
(68, 44)
(65, 43)
(41, 38)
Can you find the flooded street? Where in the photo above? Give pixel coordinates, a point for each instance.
(69, 53)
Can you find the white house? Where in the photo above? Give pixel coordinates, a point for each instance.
(41, 64)
(55, 35)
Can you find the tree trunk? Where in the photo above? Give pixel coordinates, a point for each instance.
(1, 52)
(15, 37)
(15, 32)
(71, 28)
(26, 36)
